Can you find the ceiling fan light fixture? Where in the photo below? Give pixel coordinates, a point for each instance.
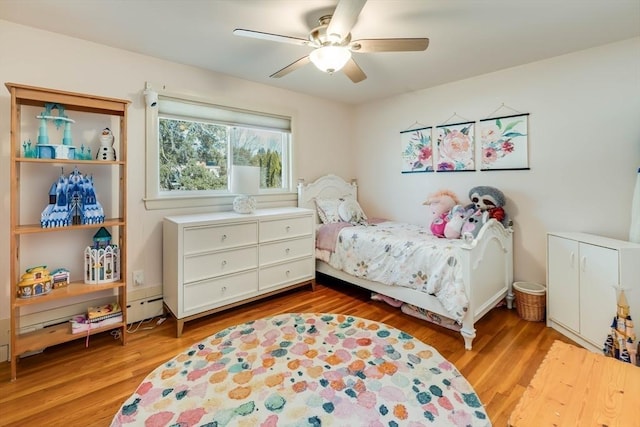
(330, 58)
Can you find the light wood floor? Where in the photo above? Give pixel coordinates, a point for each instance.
(70, 385)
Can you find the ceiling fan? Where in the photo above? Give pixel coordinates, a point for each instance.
(332, 45)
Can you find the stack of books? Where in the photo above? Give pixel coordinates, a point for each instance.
(97, 317)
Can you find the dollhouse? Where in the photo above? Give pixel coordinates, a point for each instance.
(102, 260)
(60, 277)
(72, 200)
(36, 281)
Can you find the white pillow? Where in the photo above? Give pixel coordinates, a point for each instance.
(344, 209)
(350, 211)
(328, 210)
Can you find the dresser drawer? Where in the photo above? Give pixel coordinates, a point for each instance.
(209, 238)
(208, 294)
(213, 264)
(288, 273)
(285, 250)
(285, 228)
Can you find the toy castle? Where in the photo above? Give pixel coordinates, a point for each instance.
(72, 200)
(621, 342)
(102, 260)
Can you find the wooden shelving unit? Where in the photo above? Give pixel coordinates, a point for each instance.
(115, 109)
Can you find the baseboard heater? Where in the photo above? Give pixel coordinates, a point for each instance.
(142, 309)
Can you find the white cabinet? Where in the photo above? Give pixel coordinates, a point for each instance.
(215, 261)
(583, 274)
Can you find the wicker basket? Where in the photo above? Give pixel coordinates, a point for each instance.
(530, 300)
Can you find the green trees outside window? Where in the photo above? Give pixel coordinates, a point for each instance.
(196, 155)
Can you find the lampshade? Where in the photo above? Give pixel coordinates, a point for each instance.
(330, 58)
(245, 180)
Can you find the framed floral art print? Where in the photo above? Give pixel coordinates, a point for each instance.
(417, 152)
(504, 143)
(455, 147)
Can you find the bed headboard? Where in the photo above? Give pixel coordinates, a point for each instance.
(325, 187)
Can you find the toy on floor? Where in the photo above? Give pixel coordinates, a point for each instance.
(621, 342)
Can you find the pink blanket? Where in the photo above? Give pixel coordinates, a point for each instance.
(327, 235)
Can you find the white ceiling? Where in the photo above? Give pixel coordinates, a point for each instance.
(467, 37)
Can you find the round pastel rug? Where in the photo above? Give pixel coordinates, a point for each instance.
(305, 369)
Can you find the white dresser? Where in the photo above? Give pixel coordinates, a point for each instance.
(583, 271)
(215, 261)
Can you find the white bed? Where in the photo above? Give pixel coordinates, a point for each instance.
(487, 263)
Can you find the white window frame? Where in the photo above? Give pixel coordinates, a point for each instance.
(218, 200)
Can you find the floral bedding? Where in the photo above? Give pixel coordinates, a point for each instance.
(401, 254)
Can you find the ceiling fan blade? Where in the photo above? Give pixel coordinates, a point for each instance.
(270, 37)
(389, 45)
(354, 72)
(344, 18)
(291, 67)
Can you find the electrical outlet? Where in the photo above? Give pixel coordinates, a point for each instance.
(138, 278)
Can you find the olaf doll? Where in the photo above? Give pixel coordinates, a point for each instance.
(106, 150)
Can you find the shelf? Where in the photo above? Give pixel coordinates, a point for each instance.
(25, 173)
(36, 228)
(69, 161)
(72, 290)
(53, 335)
(37, 96)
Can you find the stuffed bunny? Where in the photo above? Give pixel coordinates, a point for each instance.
(457, 218)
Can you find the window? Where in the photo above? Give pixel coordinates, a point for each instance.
(192, 144)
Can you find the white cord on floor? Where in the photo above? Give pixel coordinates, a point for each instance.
(131, 329)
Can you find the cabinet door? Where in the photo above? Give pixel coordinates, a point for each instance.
(598, 278)
(563, 287)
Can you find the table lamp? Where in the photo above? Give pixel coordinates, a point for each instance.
(245, 182)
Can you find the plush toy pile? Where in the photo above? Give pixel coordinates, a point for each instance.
(452, 220)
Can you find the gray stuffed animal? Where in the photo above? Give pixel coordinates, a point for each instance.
(489, 203)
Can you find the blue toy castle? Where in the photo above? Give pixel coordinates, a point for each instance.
(72, 200)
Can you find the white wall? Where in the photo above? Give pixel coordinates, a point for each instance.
(38, 58)
(584, 147)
